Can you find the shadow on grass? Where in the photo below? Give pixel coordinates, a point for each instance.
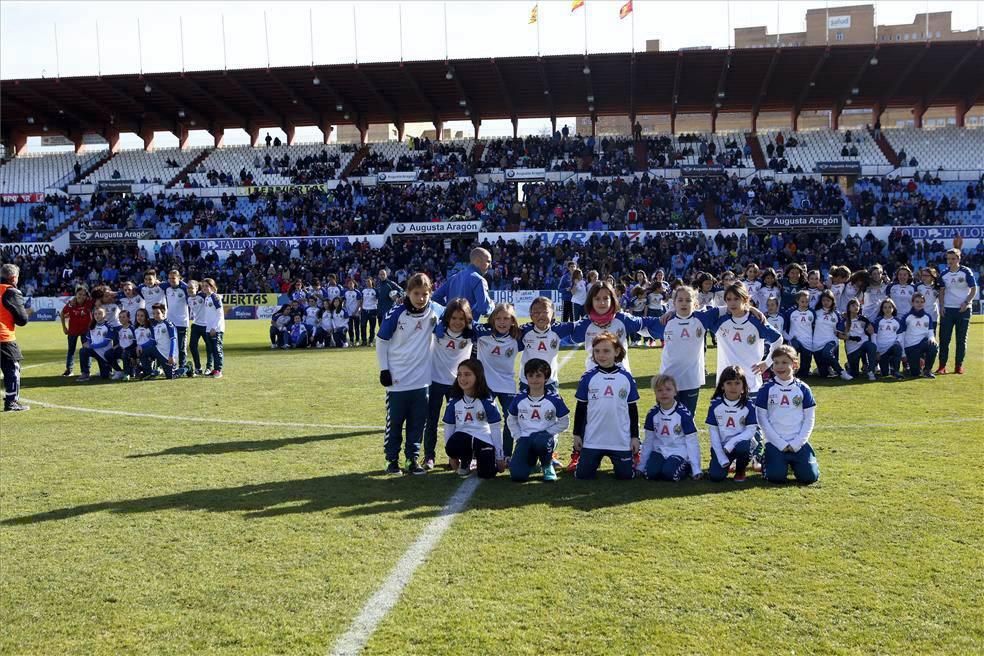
(248, 446)
(363, 495)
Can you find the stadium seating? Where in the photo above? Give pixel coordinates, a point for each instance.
(825, 146)
(33, 173)
(948, 148)
(232, 160)
(140, 165)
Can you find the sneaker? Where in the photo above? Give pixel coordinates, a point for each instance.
(872, 376)
(273, 347)
(190, 373)
(393, 469)
(125, 378)
(740, 476)
(732, 467)
(319, 345)
(959, 369)
(549, 474)
(84, 378)
(217, 373)
(67, 373)
(152, 375)
(941, 370)
(928, 374)
(429, 464)
(755, 464)
(846, 376)
(206, 372)
(117, 375)
(464, 472)
(413, 467)
(897, 375)
(15, 406)
(198, 372)
(572, 463)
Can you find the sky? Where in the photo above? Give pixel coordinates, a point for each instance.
(371, 31)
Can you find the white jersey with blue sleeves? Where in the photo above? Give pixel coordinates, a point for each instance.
(622, 325)
(916, 326)
(476, 417)
(131, 304)
(450, 350)
(901, 294)
(743, 342)
(528, 414)
(608, 395)
(353, 297)
(166, 337)
(152, 294)
(404, 344)
(671, 433)
(543, 345)
(177, 304)
(887, 333)
(956, 286)
(785, 411)
(683, 350)
(497, 353)
(729, 422)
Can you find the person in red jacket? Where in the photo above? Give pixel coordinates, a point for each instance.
(12, 314)
(76, 317)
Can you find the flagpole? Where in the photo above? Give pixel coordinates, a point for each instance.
(311, 32)
(266, 37)
(139, 47)
(400, 11)
(537, 29)
(633, 30)
(98, 53)
(355, 34)
(57, 56)
(181, 33)
(225, 58)
(585, 8)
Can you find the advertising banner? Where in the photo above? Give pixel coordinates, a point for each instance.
(35, 197)
(780, 222)
(582, 237)
(436, 228)
(701, 170)
(396, 177)
(521, 298)
(249, 299)
(936, 233)
(115, 186)
(838, 168)
(110, 236)
(525, 174)
(223, 246)
(25, 249)
(277, 189)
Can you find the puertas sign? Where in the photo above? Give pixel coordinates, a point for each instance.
(436, 228)
(781, 222)
(110, 236)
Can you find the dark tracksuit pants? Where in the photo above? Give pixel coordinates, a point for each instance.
(464, 447)
(868, 351)
(804, 464)
(368, 322)
(153, 355)
(950, 319)
(405, 407)
(926, 350)
(437, 396)
(528, 452)
(890, 360)
(10, 365)
(104, 363)
(741, 455)
(182, 344)
(214, 352)
(198, 333)
(353, 329)
(590, 460)
(73, 342)
(660, 468)
(505, 400)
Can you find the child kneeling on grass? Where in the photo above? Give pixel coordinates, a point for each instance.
(606, 421)
(732, 425)
(671, 451)
(785, 409)
(473, 425)
(536, 418)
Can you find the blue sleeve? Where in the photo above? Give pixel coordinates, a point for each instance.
(481, 330)
(633, 390)
(686, 420)
(580, 330)
(449, 417)
(559, 405)
(172, 334)
(903, 323)
(563, 329)
(840, 324)
(762, 398)
(766, 331)
(654, 326)
(387, 326)
(483, 303)
(971, 280)
(709, 317)
(808, 400)
(441, 295)
(217, 300)
(633, 324)
(513, 408)
(711, 417)
(582, 387)
(358, 294)
(491, 412)
(648, 423)
(932, 324)
(751, 418)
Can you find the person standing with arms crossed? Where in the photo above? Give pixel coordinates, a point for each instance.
(12, 314)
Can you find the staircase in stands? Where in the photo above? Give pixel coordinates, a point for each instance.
(360, 155)
(758, 157)
(182, 175)
(886, 148)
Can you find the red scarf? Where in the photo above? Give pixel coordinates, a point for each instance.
(602, 319)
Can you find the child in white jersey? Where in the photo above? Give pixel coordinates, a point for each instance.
(901, 290)
(799, 327)
(536, 417)
(99, 343)
(130, 300)
(887, 339)
(196, 311)
(775, 318)
(918, 338)
(785, 409)
(143, 334)
(769, 287)
(606, 421)
(929, 287)
(498, 344)
(127, 351)
(579, 294)
(605, 315)
(403, 350)
(671, 451)
(825, 342)
(732, 425)
(214, 327)
(814, 285)
(452, 346)
(473, 425)
(856, 331)
(541, 340)
(744, 339)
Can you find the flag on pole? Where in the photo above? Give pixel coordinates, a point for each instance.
(625, 10)
(576, 4)
(533, 14)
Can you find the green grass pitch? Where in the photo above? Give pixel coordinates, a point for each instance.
(128, 534)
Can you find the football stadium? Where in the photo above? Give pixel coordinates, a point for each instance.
(591, 327)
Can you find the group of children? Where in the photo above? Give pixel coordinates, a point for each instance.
(326, 317)
(761, 414)
(141, 332)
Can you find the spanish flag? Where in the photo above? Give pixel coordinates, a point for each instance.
(576, 4)
(533, 14)
(625, 10)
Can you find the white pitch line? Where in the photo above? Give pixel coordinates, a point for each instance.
(385, 598)
(42, 364)
(210, 420)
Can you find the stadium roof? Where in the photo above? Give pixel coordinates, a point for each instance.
(686, 81)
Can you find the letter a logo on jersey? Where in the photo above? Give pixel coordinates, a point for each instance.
(468, 416)
(542, 346)
(737, 337)
(730, 423)
(685, 333)
(451, 345)
(664, 430)
(496, 351)
(609, 391)
(785, 400)
(535, 414)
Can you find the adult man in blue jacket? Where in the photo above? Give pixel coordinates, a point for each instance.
(469, 283)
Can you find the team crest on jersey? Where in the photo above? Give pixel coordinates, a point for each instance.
(480, 415)
(554, 343)
(550, 415)
(620, 333)
(797, 400)
(678, 429)
(751, 338)
(622, 394)
(509, 352)
(700, 331)
(462, 343)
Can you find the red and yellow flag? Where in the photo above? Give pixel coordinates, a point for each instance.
(576, 4)
(625, 10)
(533, 14)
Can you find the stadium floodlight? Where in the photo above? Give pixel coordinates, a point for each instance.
(338, 107)
(467, 112)
(30, 120)
(462, 103)
(874, 61)
(848, 101)
(855, 91)
(720, 94)
(181, 113)
(346, 116)
(192, 123)
(449, 75)
(590, 108)
(44, 128)
(147, 88)
(61, 111)
(586, 70)
(316, 81)
(546, 92)
(590, 99)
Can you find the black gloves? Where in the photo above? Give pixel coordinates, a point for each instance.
(385, 378)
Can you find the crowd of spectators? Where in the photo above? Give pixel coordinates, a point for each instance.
(915, 201)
